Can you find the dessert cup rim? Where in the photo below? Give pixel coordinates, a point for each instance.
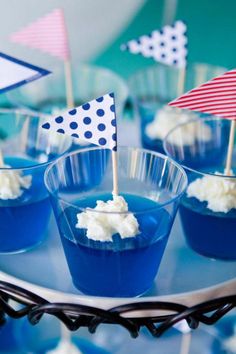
(160, 66)
(31, 114)
(159, 205)
(193, 121)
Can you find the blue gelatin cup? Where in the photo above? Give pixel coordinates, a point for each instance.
(153, 87)
(209, 233)
(27, 150)
(151, 184)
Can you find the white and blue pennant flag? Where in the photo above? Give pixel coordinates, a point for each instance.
(94, 122)
(15, 72)
(168, 45)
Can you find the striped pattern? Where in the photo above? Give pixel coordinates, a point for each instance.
(47, 34)
(217, 97)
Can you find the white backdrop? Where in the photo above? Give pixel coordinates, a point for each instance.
(92, 24)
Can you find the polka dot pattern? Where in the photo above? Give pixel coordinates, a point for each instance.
(73, 112)
(168, 46)
(87, 120)
(59, 119)
(94, 121)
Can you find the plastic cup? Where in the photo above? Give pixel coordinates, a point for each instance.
(152, 184)
(208, 231)
(152, 88)
(27, 151)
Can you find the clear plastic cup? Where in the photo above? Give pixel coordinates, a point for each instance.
(152, 184)
(152, 88)
(27, 151)
(209, 230)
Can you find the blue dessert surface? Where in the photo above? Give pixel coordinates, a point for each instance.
(124, 267)
(209, 233)
(23, 221)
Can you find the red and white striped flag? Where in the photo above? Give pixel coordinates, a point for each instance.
(47, 34)
(217, 96)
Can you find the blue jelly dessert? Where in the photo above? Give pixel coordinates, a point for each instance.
(24, 219)
(208, 209)
(208, 214)
(122, 267)
(209, 233)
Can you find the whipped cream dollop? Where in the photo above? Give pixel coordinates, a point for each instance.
(65, 347)
(104, 221)
(13, 183)
(218, 192)
(168, 117)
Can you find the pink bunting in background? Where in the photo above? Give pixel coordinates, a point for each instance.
(47, 34)
(217, 96)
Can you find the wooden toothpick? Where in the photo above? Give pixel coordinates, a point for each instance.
(185, 343)
(230, 148)
(115, 173)
(69, 85)
(1, 159)
(181, 81)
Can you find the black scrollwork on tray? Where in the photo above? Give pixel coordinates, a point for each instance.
(75, 316)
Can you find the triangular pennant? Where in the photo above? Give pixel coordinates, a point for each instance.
(94, 122)
(47, 34)
(167, 46)
(217, 96)
(15, 72)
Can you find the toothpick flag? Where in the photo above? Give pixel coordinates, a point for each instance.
(217, 96)
(47, 34)
(94, 122)
(15, 72)
(168, 45)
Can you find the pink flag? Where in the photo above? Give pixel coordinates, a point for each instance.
(217, 96)
(48, 34)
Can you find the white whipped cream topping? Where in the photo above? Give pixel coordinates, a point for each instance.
(101, 224)
(65, 347)
(218, 192)
(168, 117)
(12, 182)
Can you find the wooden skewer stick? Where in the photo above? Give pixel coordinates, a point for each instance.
(230, 148)
(1, 159)
(115, 173)
(185, 343)
(69, 85)
(181, 81)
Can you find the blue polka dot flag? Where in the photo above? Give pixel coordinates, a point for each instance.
(168, 45)
(94, 121)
